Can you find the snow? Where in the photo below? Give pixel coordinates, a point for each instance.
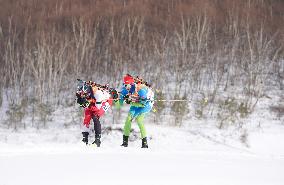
(197, 153)
(133, 166)
(175, 156)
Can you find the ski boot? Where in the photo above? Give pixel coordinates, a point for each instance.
(144, 143)
(97, 140)
(125, 141)
(85, 137)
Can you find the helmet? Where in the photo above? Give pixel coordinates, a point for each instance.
(80, 85)
(128, 79)
(142, 93)
(86, 88)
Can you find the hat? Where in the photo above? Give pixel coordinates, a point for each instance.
(128, 79)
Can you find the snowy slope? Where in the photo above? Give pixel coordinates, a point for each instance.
(176, 156)
(132, 166)
(197, 153)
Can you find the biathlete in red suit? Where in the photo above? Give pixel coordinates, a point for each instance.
(96, 101)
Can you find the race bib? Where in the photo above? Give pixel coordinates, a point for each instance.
(106, 106)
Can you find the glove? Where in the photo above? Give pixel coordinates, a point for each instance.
(113, 93)
(83, 102)
(127, 99)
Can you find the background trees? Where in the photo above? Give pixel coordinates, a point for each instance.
(180, 46)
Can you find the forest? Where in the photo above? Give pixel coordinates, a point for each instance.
(222, 56)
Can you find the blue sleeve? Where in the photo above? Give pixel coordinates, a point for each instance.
(123, 93)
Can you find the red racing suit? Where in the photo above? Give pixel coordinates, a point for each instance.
(94, 111)
(100, 102)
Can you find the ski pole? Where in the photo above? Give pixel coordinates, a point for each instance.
(174, 100)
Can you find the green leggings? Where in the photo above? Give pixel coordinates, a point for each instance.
(140, 120)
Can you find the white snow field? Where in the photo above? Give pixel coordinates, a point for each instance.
(196, 154)
(176, 156)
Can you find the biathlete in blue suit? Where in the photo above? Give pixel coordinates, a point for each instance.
(141, 99)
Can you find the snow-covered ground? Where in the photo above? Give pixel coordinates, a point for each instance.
(198, 153)
(175, 156)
